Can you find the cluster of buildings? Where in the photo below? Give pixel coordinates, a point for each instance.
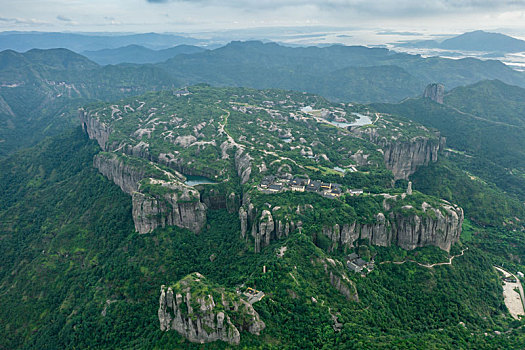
(253, 295)
(356, 264)
(274, 184)
(181, 92)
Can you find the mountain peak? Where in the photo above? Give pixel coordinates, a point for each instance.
(480, 40)
(59, 58)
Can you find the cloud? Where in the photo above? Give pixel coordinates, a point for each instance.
(176, 15)
(24, 21)
(64, 18)
(379, 7)
(393, 32)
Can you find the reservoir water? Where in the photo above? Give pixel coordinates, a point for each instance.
(193, 180)
(361, 120)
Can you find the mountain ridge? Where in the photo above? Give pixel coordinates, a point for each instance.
(138, 54)
(23, 41)
(477, 40)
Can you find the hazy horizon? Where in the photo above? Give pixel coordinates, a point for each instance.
(394, 19)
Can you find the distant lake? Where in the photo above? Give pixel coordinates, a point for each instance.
(361, 120)
(192, 180)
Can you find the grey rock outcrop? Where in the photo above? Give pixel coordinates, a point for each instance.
(439, 227)
(442, 228)
(185, 210)
(263, 235)
(334, 269)
(95, 129)
(342, 235)
(205, 313)
(435, 92)
(403, 158)
(343, 286)
(283, 229)
(233, 202)
(379, 232)
(266, 229)
(140, 150)
(243, 165)
(177, 205)
(243, 217)
(125, 176)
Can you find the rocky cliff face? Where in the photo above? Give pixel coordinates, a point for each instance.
(125, 176)
(435, 92)
(344, 286)
(156, 202)
(183, 210)
(172, 204)
(345, 234)
(442, 230)
(408, 228)
(95, 129)
(403, 157)
(439, 227)
(204, 313)
(264, 230)
(243, 165)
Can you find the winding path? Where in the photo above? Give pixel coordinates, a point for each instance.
(495, 122)
(426, 265)
(222, 129)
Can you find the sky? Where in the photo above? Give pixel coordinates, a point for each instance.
(402, 17)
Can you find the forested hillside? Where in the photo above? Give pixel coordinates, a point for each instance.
(492, 100)
(72, 277)
(41, 91)
(483, 124)
(483, 170)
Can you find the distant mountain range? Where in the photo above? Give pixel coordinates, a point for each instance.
(340, 73)
(23, 41)
(41, 89)
(138, 54)
(474, 41)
